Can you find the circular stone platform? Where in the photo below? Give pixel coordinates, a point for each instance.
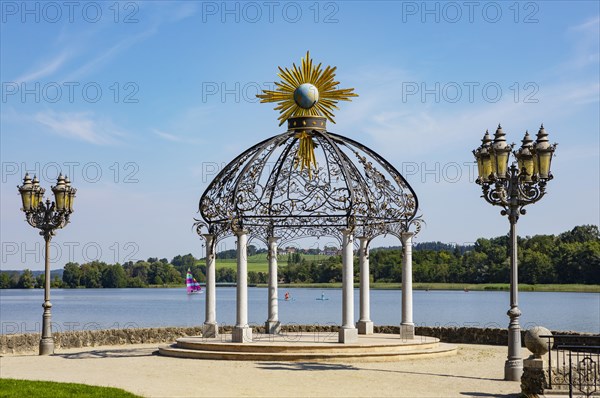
(308, 346)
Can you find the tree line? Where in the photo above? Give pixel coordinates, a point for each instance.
(570, 257)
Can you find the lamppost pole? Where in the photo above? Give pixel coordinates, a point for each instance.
(513, 367)
(47, 217)
(512, 188)
(47, 341)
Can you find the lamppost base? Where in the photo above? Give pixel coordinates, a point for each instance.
(47, 346)
(513, 370)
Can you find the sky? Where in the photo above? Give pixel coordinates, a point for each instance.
(142, 103)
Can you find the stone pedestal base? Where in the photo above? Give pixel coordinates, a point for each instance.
(241, 334)
(533, 380)
(513, 370)
(407, 331)
(364, 327)
(210, 330)
(47, 346)
(272, 327)
(348, 335)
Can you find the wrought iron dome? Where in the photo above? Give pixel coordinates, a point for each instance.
(308, 181)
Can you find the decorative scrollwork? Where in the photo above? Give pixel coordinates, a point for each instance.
(46, 219)
(586, 376)
(264, 192)
(513, 193)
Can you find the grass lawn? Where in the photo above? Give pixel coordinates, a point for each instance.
(259, 262)
(28, 388)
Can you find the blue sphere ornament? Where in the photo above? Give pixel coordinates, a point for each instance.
(306, 95)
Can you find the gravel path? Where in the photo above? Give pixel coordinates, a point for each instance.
(476, 370)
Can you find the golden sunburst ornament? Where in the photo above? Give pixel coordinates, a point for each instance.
(306, 91)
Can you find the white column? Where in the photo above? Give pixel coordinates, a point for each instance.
(210, 328)
(364, 324)
(272, 325)
(407, 327)
(348, 332)
(242, 333)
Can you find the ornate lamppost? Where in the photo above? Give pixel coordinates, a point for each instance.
(514, 187)
(47, 217)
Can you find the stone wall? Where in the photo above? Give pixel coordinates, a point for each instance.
(22, 343)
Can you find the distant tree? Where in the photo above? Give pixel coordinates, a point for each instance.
(72, 275)
(56, 282)
(581, 234)
(536, 267)
(181, 262)
(91, 274)
(40, 280)
(160, 273)
(26, 280)
(330, 271)
(136, 282)
(227, 254)
(113, 276)
(225, 274)
(253, 277)
(6, 281)
(138, 270)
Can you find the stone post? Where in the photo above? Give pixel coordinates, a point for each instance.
(348, 332)
(210, 328)
(272, 325)
(242, 333)
(536, 368)
(364, 324)
(407, 327)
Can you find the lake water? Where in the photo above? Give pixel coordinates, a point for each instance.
(89, 309)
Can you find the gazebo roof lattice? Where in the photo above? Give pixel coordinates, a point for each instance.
(265, 192)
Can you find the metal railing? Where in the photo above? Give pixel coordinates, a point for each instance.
(574, 364)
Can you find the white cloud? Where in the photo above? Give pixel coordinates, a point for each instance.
(174, 138)
(107, 55)
(80, 126)
(48, 68)
(414, 126)
(592, 25)
(584, 38)
(167, 136)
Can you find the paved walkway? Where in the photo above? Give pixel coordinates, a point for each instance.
(475, 371)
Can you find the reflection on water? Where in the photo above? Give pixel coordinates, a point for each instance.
(89, 309)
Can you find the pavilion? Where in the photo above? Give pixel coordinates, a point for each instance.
(308, 182)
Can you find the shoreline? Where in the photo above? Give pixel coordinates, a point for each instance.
(426, 286)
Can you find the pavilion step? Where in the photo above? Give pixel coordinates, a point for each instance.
(355, 356)
(195, 343)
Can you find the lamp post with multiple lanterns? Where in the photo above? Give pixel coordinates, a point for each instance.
(512, 188)
(47, 217)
